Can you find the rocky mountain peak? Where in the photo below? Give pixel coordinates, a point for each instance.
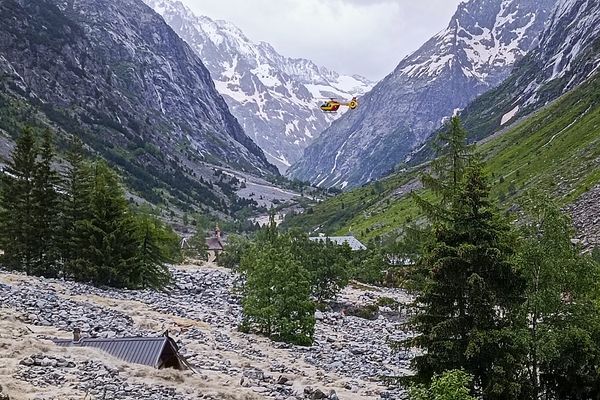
(566, 50)
(474, 53)
(275, 98)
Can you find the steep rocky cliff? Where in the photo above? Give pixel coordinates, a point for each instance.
(275, 98)
(568, 53)
(474, 54)
(115, 74)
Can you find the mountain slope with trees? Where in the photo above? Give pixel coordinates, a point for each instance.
(78, 225)
(513, 305)
(557, 151)
(116, 75)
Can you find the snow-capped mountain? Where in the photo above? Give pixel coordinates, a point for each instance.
(475, 53)
(275, 98)
(567, 55)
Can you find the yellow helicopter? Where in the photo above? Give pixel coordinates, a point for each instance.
(333, 105)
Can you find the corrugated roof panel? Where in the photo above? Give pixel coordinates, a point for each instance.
(146, 351)
(157, 359)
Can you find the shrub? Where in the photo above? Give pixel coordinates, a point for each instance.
(369, 311)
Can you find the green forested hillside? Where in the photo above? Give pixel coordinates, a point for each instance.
(556, 150)
(153, 114)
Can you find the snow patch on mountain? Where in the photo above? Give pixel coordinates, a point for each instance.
(509, 115)
(482, 49)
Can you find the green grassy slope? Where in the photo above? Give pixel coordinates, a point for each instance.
(337, 214)
(556, 150)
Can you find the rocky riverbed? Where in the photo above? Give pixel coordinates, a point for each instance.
(201, 311)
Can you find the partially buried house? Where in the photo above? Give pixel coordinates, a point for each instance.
(157, 352)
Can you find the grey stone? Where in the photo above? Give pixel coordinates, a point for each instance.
(318, 394)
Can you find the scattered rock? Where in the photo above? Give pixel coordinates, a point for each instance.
(318, 394)
(3, 396)
(353, 348)
(586, 218)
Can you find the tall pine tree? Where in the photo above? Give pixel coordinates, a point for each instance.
(105, 239)
(19, 238)
(465, 314)
(75, 206)
(453, 155)
(46, 211)
(465, 311)
(150, 268)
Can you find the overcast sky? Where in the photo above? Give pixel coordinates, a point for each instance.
(366, 37)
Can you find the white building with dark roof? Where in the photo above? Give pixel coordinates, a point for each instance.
(353, 242)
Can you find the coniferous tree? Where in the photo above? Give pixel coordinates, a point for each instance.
(453, 155)
(465, 314)
(75, 206)
(465, 311)
(106, 239)
(150, 268)
(46, 211)
(107, 244)
(88, 234)
(19, 238)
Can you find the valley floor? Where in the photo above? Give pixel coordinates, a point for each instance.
(201, 312)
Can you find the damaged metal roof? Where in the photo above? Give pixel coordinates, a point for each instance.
(156, 352)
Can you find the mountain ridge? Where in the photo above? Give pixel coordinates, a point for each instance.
(473, 54)
(555, 150)
(116, 75)
(540, 77)
(275, 98)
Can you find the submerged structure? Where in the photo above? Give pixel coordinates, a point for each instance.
(157, 352)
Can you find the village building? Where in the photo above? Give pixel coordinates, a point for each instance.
(157, 352)
(353, 242)
(215, 244)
